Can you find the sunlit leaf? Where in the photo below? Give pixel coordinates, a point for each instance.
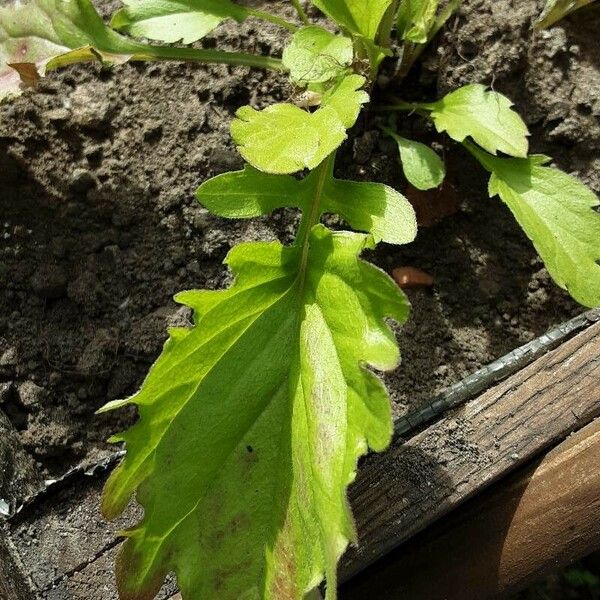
(315, 55)
(284, 138)
(46, 34)
(251, 423)
(366, 206)
(485, 116)
(175, 20)
(421, 165)
(415, 19)
(361, 17)
(558, 213)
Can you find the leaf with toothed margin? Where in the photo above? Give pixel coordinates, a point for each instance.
(559, 215)
(372, 207)
(483, 115)
(251, 424)
(315, 55)
(284, 138)
(175, 20)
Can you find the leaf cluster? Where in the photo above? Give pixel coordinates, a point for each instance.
(252, 422)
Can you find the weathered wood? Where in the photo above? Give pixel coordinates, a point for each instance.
(400, 492)
(538, 520)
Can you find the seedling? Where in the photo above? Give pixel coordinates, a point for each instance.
(252, 422)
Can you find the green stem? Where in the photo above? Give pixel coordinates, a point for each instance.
(266, 16)
(143, 52)
(413, 51)
(311, 217)
(301, 12)
(387, 23)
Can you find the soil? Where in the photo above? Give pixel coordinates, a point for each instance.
(100, 227)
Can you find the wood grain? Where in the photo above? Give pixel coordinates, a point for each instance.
(415, 483)
(538, 520)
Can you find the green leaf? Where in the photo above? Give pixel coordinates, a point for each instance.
(486, 116)
(315, 55)
(360, 17)
(557, 212)
(175, 20)
(372, 207)
(251, 423)
(284, 138)
(46, 34)
(423, 168)
(555, 10)
(416, 19)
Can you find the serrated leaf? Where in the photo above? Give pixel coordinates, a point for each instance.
(485, 116)
(175, 20)
(559, 215)
(361, 17)
(251, 424)
(47, 34)
(415, 19)
(372, 207)
(315, 55)
(421, 165)
(284, 138)
(555, 10)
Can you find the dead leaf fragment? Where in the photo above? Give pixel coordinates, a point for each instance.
(431, 206)
(411, 277)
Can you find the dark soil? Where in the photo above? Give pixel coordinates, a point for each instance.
(100, 227)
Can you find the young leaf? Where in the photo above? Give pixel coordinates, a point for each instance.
(415, 19)
(47, 34)
(558, 214)
(316, 55)
(486, 116)
(360, 17)
(283, 138)
(421, 165)
(555, 10)
(252, 422)
(175, 20)
(373, 207)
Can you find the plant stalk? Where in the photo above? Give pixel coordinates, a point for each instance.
(267, 16)
(301, 12)
(142, 52)
(311, 217)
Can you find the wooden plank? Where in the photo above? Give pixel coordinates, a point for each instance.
(402, 491)
(542, 518)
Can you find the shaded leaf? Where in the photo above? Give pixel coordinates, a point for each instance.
(315, 55)
(557, 212)
(555, 10)
(485, 116)
(372, 207)
(421, 165)
(175, 20)
(415, 19)
(284, 138)
(361, 17)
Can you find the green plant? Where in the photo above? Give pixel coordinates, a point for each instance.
(555, 10)
(251, 422)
